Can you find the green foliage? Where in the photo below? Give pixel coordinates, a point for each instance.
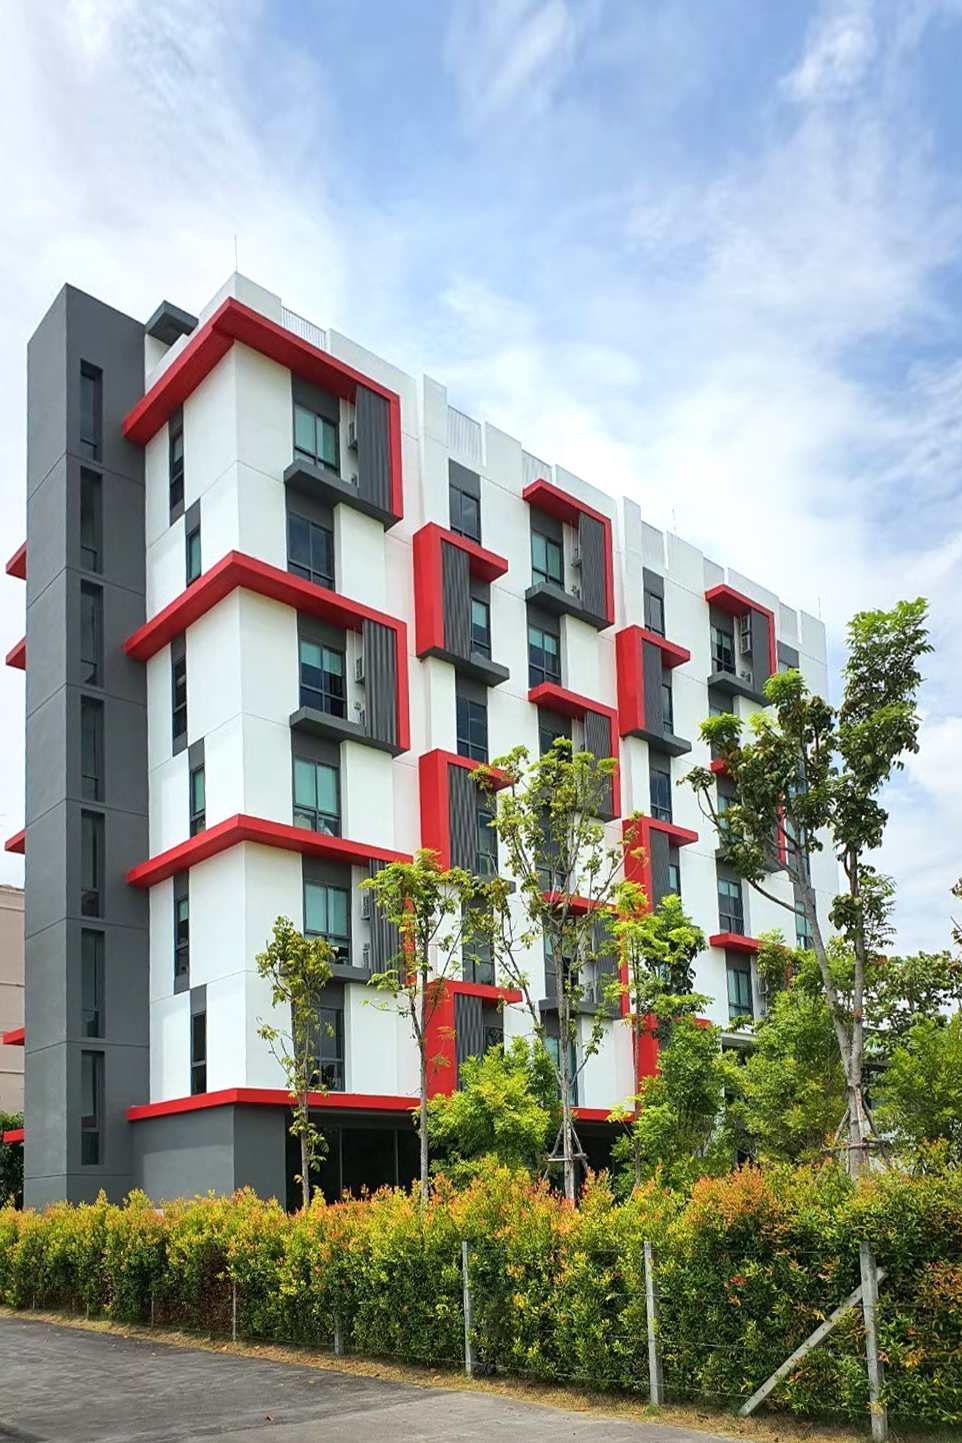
(922, 1092)
(749, 1264)
(298, 969)
(658, 947)
(679, 1132)
(11, 1159)
(505, 1107)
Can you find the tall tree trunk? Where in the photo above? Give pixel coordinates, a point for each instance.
(305, 1161)
(424, 1090)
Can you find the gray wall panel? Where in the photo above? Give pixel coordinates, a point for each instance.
(373, 447)
(380, 671)
(216, 1148)
(591, 543)
(463, 817)
(651, 679)
(456, 593)
(761, 661)
(598, 742)
(658, 850)
(385, 936)
(468, 1028)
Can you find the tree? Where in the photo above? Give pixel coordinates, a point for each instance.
(680, 1128)
(11, 1160)
(430, 912)
(505, 1108)
(657, 949)
(298, 969)
(547, 820)
(807, 771)
(921, 1106)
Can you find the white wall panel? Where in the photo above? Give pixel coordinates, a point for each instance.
(170, 1048)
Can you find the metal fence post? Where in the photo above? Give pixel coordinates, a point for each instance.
(469, 1361)
(338, 1337)
(655, 1384)
(880, 1421)
(233, 1310)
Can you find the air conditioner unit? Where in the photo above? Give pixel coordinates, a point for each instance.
(576, 591)
(359, 668)
(365, 906)
(747, 676)
(361, 714)
(576, 556)
(763, 986)
(366, 956)
(745, 635)
(352, 480)
(352, 435)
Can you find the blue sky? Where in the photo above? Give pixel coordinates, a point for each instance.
(707, 254)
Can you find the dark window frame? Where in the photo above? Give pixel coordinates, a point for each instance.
(176, 464)
(92, 863)
(313, 813)
(326, 575)
(91, 667)
(486, 840)
(458, 500)
(182, 929)
(731, 906)
(317, 696)
(481, 635)
(178, 696)
(198, 814)
(314, 454)
(540, 673)
(660, 795)
(468, 713)
(92, 969)
(91, 1123)
(192, 553)
(667, 706)
(742, 1004)
(91, 521)
(91, 443)
(330, 1048)
(654, 612)
(553, 552)
(723, 650)
(198, 1055)
(91, 719)
(340, 941)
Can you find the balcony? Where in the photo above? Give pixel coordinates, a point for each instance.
(322, 483)
(451, 577)
(643, 657)
(594, 603)
(744, 668)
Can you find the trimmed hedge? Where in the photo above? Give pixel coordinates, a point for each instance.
(749, 1264)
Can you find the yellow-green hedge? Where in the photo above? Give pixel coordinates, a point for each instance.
(748, 1266)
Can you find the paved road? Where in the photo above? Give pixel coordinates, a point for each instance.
(64, 1385)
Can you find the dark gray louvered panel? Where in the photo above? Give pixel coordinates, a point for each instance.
(591, 544)
(373, 447)
(651, 665)
(598, 742)
(468, 1028)
(456, 591)
(463, 818)
(380, 680)
(385, 937)
(658, 860)
(761, 658)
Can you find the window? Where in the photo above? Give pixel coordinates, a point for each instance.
(739, 990)
(553, 1048)
(91, 1108)
(91, 635)
(198, 800)
(181, 927)
(193, 555)
(544, 656)
(91, 522)
(327, 913)
(674, 876)
(310, 550)
(548, 735)
(480, 626)
(465, 513)
(477, 964)
(723, 650)
(731, 914)
(803, 932)
(315, 437)
(317, 801)
(547, 559)
(178, 691)
(472, 729)
(91, 864)
(91, 389)
(91, 749)
(487, 854)
(322, 678)
(724, 802)
(198, 1053)
(175, 463)
(659, 786)
(667, 708)
(654, 612)
(492, 1029)
(91, 983)
(330, 1050)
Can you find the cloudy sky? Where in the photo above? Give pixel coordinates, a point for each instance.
(705, 252)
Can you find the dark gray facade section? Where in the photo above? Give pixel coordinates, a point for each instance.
(653, 582)
(381, 679)
(787, 655)
(463, 817)
(385, 936)
(598, 742)
(761, 656)
(652, 678)
(456, 597)
(468, 1028)
(76, 331)
(591, 544)
(373, 447)
(658, 859)
(215, 1149)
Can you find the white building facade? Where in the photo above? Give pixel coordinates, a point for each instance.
(344, 594)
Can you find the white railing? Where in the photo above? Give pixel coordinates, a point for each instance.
(465, 435)
(534, 469)
(307, 330)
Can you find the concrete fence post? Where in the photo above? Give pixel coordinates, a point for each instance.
(656, 1390)
(233, 1310)
(338, 1337)
(469, 1359)
(880, 1422)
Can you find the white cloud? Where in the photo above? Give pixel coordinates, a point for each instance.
(840, 48)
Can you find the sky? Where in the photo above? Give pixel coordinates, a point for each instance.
(707, 253)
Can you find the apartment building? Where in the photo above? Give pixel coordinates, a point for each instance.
(281, 600)
(11, 999)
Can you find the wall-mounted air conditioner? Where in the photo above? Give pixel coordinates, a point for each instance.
(352, 435)
(747, 676)
(359, 668)
(352, 480)
(360, 714)
(745, 634)
(576, 556)
(365, 906)
(366, 956)
(576, 591)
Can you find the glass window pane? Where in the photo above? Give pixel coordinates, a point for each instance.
(326, 783)
(305, 791)
(333, 662)
(337, 901)
(304, 434)
(310, 654)
(315, 908)
(328, 441)
(539, 552)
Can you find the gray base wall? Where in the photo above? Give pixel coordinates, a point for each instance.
(215, 1149)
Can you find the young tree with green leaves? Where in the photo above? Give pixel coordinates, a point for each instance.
(657, 949)
(804, 771)
(298, 969)
(563, 883)
(505, 1107)
(429, 910)
(921, 1107)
